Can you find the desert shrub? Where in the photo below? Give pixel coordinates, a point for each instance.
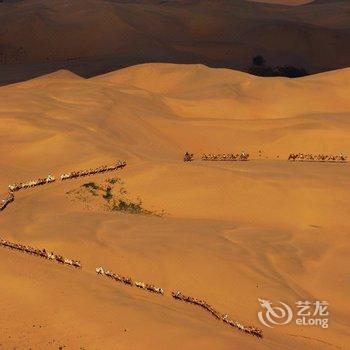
(108, 193)
(115, 200)
(113, 180)
(130, 207)
(91, 185)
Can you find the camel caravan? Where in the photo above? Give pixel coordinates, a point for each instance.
(8, 199)
(189, 157)
(226, 157)
(301, 157)
(296, 157)
(101, 169)
(225, 318)
(32, 183)
(42, 253)
(179, 296)
(49, 179)
(127, 280)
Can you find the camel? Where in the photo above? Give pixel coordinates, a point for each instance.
(154, 289)
(140, 285)
(68, 261)
(188, 157)
(225, 318)
(51, 256)
(127, 280)
(77, 264)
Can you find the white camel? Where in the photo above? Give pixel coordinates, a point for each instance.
(140, 285)
(100, 270)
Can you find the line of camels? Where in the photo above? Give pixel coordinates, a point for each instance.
(127, 280)
(10, 197)
(189, 157)
(226, 157)
(43, 253)
(177, 295)
(299, 157)
(307, 157)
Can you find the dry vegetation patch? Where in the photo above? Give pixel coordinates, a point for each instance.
(111, 195)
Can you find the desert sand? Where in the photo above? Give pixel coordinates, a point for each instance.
(232, 233)
(92, 37)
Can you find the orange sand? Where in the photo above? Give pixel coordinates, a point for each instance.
(235, 232)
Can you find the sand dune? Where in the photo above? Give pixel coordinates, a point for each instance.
(233, 233)
(38, 36)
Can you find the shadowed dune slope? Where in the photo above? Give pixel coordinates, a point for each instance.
(233, 233)
(96, 36)
(285, 2)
